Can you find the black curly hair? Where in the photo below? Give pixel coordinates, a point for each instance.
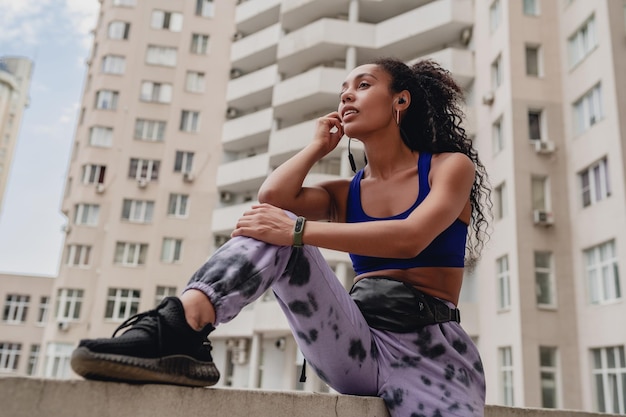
(433, 123)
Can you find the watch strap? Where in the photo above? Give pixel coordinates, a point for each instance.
(298, 230)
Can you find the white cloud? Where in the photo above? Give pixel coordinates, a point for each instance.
(82, 15)
(21, 19)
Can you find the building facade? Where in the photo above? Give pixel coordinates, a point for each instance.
(15, 77)
(164, 164)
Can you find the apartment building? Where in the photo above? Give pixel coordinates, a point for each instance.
(15, 76)
(160, 171)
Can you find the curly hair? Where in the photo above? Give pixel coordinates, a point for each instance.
(433, 123)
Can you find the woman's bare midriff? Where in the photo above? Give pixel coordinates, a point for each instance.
(440, 282)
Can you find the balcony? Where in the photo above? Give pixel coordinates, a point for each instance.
(225, 218)
(460, 62)
(243, 174)
(247, 132)
(252, 91)
(252, 16)
(256, 50)
(284, 143)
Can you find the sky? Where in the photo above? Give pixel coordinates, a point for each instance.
(55, 34)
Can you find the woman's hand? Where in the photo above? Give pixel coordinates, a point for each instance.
(266, 223)
(328, 132)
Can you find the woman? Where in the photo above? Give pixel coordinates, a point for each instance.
(403, 219)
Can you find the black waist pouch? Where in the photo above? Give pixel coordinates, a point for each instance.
(392, 305)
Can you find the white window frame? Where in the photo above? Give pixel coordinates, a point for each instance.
(506, 370)
(501, 204)
(58, 356)
(538, 71)
(495, 15)
(549, 376)
(496, 73)
(147, 169)
(497, 139)
(137, 211)
(15, 308)
(127, 3)
(609, 375)
(178, 205)
(101, 136)
(68, 304)
(195, 82)
(33, 359)
(93, 174)
(540, 193)
(205, 8)
(156, 92)
(189, 121)
(106, 100)
(595, 184)
(582, 42)
(199, 44)
(540, 134)
(183, 161)
(78, 255)
(531, 7)
(544, 279)
(171, 250)
(130, 254)
(9, 356)
(86, 214)
(118, 30)
(44, 309)
(503, 281)
(161, 55)
(113, 64)
(162, 292)
(588, 110)
(171, 21)
(602, 273)
(150, 130)
(121, 303)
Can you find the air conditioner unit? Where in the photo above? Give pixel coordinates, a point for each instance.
(237, 36)
(188, 176)
(232, 112)
(543, 218)
(142, 182)
(235, 73)
(63, 325)
(226, 197)
(488, 98)
(544, 146)
(99, 188)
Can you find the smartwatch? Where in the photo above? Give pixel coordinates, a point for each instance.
(298, 230)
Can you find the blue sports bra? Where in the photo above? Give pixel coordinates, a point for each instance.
(446, 250)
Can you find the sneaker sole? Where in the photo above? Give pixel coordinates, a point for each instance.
(175, 369)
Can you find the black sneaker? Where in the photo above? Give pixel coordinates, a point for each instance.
(160, 347)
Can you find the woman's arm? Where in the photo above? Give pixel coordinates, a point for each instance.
(450, 189)
(283, 187)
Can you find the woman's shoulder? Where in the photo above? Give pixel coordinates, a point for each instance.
(453, 163)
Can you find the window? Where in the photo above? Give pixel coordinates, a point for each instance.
(149, 130)
(183, 162)
(170, 251)
(33, 359)
(86, 214)
(144, 168)
(121, 303)
(531, 7)
(137, 211)
(93, 174)
(129, 3)
(156, 92)
(78, 255)
(505, 357)
(548, 369)
(594, 183)
(497, 137)
(205, 8)
(101, 136)
(113, 64)
(68, 304)
(177, 205)
(496, 73)
(609, 374)
(582, 42)
(534, 124)
(588, 110)
(161, 55)
(602, 273)
(162, 292)
(58, 357)
(195, 82)
(544, 279)
(130, 254)
(539, 187)
(533, 61)
(189, 121)
(494, 15)
(504, 284)
(106, 100)
(199, 44)
(167, 20)
(15, 308)
(9, 356)
(119, 30)
(44, 306)
(500, 203)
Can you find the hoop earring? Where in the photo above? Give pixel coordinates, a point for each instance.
(398, 117)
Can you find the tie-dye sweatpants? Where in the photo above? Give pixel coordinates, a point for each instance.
(436, 371)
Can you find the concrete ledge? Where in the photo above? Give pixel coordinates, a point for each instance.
(28, 397)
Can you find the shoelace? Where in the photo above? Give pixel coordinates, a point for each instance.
(134, 321)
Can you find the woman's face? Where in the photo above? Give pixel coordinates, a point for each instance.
(366, 103)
